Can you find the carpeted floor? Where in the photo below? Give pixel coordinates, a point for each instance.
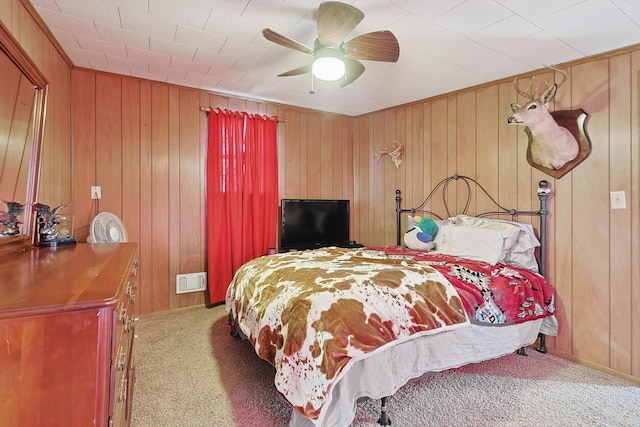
(191, 373)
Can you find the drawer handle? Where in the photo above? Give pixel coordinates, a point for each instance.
(122, 390)
(131, 291)
(121, 361)
(130, 323)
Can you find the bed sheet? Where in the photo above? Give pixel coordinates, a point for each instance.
(386, 372)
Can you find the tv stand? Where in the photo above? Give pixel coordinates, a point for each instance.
(352, 244)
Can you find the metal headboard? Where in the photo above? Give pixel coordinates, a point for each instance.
(543, 194)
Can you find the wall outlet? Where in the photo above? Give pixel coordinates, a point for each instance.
(96, 192)
(618, 200)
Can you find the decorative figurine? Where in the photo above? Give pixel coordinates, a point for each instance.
(9, 223)
(47, 222)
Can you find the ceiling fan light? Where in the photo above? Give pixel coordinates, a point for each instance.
(328, 65)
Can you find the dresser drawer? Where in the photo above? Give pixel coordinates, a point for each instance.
(121, 370)
(67, 320)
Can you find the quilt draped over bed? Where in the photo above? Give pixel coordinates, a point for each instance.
(312, 313)
(492, 294)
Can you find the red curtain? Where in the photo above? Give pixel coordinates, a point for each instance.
(242, 194)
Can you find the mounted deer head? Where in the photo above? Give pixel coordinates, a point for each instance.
(552, 146)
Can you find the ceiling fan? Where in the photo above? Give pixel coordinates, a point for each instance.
(333, 57)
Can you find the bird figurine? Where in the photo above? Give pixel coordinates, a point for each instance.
(47, 220)
(9, 219)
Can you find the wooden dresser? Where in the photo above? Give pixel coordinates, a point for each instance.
(66, 335)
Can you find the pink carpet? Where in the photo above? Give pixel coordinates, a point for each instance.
(510, 391)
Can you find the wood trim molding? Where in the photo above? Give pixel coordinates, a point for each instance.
(587, 59)
(45, 29)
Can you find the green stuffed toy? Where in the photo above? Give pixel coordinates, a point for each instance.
(422, 235)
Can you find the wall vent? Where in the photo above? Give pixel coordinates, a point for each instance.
(193, 282)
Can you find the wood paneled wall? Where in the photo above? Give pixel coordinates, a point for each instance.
(144, 143)
(594, 251)
(55, 174)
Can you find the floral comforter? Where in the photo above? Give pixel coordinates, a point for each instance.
(311, 314)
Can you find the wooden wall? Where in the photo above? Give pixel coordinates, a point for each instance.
(594, 251)
(144, 143)
(55, 175)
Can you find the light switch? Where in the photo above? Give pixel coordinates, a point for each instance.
(618, 200)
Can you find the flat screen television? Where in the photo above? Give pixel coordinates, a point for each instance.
(314, 223)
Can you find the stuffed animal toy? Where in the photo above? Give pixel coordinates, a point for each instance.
(421, 236)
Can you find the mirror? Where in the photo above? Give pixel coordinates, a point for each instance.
(23, 95)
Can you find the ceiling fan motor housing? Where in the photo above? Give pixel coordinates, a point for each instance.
(335, 20)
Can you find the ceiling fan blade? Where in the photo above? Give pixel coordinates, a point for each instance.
(375, 46)
(335, 21)
(277, 38)
(296, 71)
(354, 69)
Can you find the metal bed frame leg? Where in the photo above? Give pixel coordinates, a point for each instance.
(542, 346)
(384, 419)
(542, 343)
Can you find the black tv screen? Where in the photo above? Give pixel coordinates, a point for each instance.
(314, 223)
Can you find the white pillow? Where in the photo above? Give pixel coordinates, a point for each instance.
(522, 254)
(525, 259)
(509, 232)
(478, 244)
(443, 230)
(520, 240)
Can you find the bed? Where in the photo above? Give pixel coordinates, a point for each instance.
(344, 324)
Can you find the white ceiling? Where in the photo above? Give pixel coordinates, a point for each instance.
(445, 45)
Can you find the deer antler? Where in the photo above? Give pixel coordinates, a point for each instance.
(527, 92)
(540, 92)
(561, 71)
